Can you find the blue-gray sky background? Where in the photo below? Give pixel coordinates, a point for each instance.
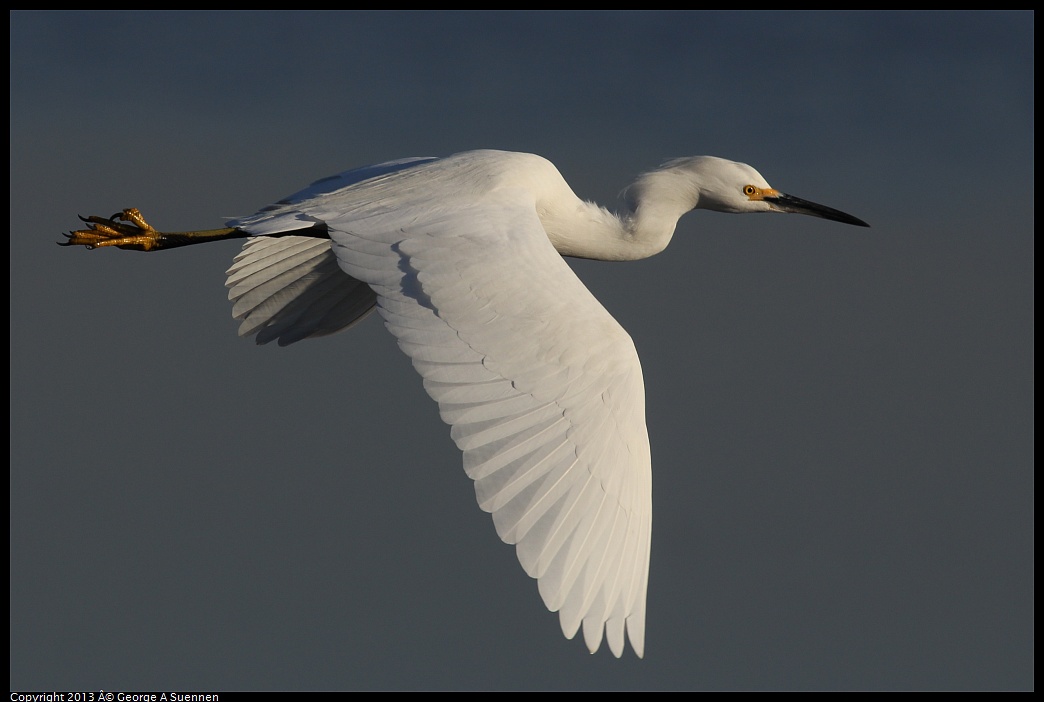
(841, 418)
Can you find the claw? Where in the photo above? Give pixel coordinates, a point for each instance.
(138, 235)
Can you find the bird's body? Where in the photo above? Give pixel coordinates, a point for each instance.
(462, 256)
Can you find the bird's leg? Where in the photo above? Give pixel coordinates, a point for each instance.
(129, 230)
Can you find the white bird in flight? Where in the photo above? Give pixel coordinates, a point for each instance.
(462, 257)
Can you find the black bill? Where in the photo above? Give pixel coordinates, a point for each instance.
(789, 203)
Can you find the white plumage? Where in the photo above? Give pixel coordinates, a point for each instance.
(542, 388)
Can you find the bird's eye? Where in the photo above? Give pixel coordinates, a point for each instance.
(750, 190)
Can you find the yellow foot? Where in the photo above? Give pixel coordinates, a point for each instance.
(138, 235)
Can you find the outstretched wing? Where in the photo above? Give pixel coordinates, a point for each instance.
(541, 386)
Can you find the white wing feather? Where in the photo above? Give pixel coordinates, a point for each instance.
(541, 386)
(291, 288)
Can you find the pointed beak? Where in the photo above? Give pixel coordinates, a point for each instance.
(789, 203)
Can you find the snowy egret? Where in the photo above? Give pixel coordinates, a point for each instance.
(462, 256)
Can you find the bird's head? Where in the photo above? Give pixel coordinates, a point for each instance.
(712, 183)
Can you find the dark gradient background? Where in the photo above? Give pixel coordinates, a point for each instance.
(841, 418)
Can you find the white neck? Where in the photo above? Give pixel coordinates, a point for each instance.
(642, 229)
